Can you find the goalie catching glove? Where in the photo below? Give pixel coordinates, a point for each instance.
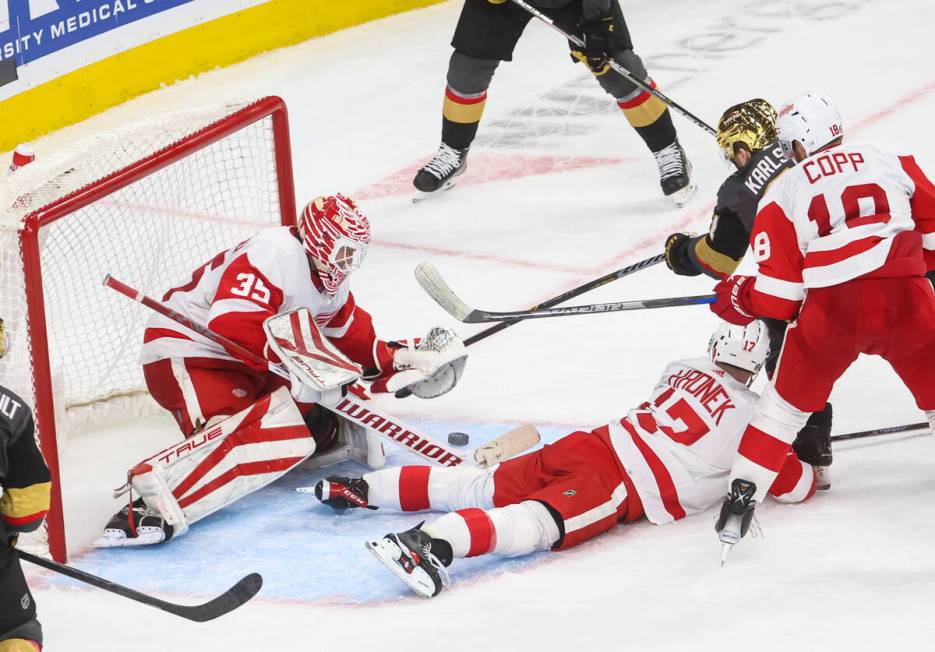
(428, 367)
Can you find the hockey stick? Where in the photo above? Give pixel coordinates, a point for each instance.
(662, 97)
(352, 408)
(891, 430)
(436, 287)
(232, 598)
(571, 294)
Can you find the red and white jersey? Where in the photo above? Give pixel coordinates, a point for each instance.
(234, 292)
(842, 213)
(678, 447)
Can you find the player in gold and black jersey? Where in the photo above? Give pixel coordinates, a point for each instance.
(24, 501)
(747, 137)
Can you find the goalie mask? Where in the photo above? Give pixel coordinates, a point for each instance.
(335, 235)
(744, 347)
(751, 123)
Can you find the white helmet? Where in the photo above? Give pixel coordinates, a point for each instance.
(745, 347)
(810, 118)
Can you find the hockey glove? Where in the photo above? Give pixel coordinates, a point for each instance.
(731, 304)
(677, 258)
(598, 42)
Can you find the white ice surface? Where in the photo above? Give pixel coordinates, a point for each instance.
(852, 570)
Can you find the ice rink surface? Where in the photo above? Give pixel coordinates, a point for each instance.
(559, 190)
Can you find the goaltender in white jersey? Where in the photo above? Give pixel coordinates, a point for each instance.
(242, 428)
(667, 459)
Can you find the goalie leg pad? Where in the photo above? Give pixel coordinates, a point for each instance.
(220, 465)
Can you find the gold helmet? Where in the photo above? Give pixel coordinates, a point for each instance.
(752, 123)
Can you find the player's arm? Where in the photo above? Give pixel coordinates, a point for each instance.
(777, 290)
(922, 204)
(351, 330)
(246, 296)
(27, 486)
(717, 253)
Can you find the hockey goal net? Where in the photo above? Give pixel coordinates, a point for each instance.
(148, 202)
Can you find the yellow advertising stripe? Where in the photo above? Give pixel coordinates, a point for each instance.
(18, 504)
(221, 42)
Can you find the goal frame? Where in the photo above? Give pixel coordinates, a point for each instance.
(44, 408)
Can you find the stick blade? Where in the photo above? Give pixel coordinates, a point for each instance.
(234, 597)
(436, 287)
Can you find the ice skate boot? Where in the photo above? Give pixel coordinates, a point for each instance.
(441, 173)
(140, 526)
(813, 445)
(416, 558)
(736, 515)
(675, 173)
(343, 493)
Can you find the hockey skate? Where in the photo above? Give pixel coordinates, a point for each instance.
(736, 515)
(675, 173)
(813, 446)
(441, 173)
(144, 527)
(343, 493)
(416, 558)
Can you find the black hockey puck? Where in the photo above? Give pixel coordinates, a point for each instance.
(458, 438)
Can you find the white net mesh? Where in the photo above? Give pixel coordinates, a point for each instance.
(151, 234)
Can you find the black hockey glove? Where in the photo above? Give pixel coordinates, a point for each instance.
(813, 443)
(677, 258)
(598, 41)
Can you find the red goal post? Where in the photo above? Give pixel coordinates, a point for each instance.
(149, 201)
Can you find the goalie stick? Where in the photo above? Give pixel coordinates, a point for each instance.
(232, 598)
(436, 287)
(350, 407)
(616, 67)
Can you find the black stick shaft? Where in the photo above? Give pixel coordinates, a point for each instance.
(662, 97)
(892, 430)
(570, 294)
(237, 595)
(478, 316)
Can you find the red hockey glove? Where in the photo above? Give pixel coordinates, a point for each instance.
(733, 300)
(387, 378)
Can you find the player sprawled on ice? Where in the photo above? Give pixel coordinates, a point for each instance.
(842, 240)
(243, 429)
(666, 459)
(748, 138)
(486, 34)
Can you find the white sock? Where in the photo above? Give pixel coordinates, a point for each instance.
(416, 488)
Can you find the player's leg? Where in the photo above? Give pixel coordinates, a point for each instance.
(485, 35)
(583, 497)
(818, 348)
(911, 348)
(210, 470)
(196, 390)
(419, 488)
(19, 629)
(648, 115)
